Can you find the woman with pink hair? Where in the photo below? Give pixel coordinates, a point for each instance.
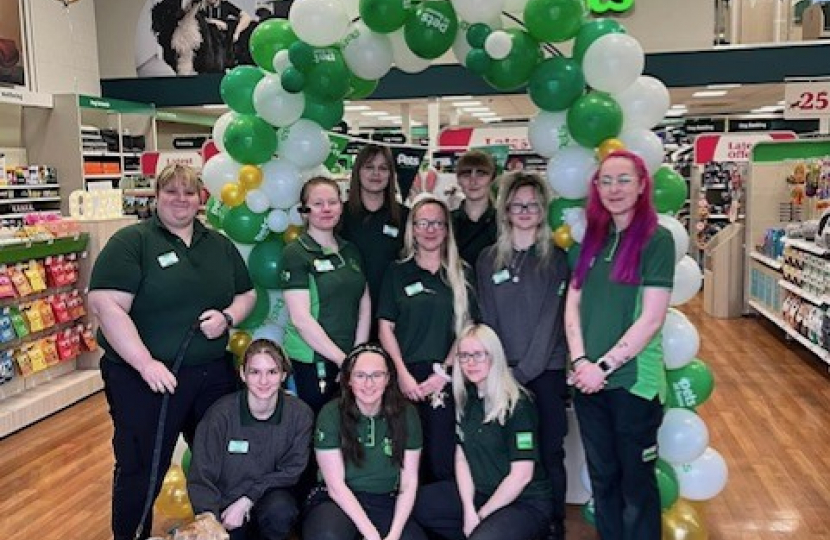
(616, 304)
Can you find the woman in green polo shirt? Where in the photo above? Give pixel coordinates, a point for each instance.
(501, 490)
(326, 295)
(367, 444)
(616, 304)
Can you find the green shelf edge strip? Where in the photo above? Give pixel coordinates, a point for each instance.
(14, 253)
(774, 151)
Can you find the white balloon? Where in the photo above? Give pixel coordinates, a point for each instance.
(320, 170)
(585, 477)
(257, 201)
(570, 172)
(282, 60)
(218, 171)
(613, 62)
(460, 47)
(681, 340)
(644, 103)
(304, 143)
(276, 106)
(498, 45)
(319, 22)
(269, 331)
(704, 477)
(406, 60)
(646, 144)
(281, 183)
(548, 133)
(294, 215)
(368, 54)
(277, 220)
(218, 131)
(476, 11)
(682, 437)
(678, 232)
(687, 281)
(575, 218)
(515, 6)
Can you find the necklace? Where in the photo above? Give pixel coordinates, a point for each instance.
(516, 263)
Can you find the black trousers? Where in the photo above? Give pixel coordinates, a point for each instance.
(619, 433)
(134, 409)
(438, 426)
(325, 520)
(271, 518)
(308, 384)
(438, 510)
(550, 394)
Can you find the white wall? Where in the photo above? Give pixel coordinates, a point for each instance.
(10, 118)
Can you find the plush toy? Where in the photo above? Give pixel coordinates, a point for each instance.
(797, 180)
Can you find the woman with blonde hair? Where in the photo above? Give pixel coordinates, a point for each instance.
(425, 301)
(521, 283)
(501, 491)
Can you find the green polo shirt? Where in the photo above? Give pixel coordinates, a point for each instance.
(378, 473)
(491, 448)
(335, 283)
(420, 304)
(608, 309)
(172, 284)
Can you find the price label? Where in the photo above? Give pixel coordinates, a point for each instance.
(807, 100)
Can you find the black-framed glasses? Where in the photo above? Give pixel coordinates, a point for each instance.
(427, 224)
(475, 357)
(524, 208)
(376, 377)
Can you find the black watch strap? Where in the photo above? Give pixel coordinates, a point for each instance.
(228, 319)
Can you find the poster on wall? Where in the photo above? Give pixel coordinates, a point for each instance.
(12, 58)
(189, 37)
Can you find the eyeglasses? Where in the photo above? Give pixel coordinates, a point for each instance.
(623, 180)
(427, 224)
(524, 208)
(376, 376)
(476, 357)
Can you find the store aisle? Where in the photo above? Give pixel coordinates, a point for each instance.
(768, 417)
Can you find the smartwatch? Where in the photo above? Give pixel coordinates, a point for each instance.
(605, 366)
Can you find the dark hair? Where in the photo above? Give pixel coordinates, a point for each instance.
(392, 409)
(315, 181)
(266, 346)
(355, 202)
(476, 159)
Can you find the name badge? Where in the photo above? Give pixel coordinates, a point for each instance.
(168, 259)
(501, 276)
(414, 288)
(323, 265)
(391, 231)
(237, 447)
(562, 289)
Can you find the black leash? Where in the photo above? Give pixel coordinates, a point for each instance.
(154, 469)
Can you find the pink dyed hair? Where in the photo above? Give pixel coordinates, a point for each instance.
(639, 231)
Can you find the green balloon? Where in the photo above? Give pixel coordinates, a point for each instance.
(301, 55)
(593, 118)
(250, 139)
(328, 79)
(556, 83)
(264, 261)
(589, 513)
(186, 459)
(477, 34)
(384, 16)
(430, 32)
(326, 113)
(590, 32)
(215, 210)
(690, 385)
(514, 71)
(666, 484)
(244, 226)
(292, 80)
(554, 20)
(478, 61)
(237, 88)
(270, 37)
(556, 210)
(670, 190)
(257, 315)
(360, 88)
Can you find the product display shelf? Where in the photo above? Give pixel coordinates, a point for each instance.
(25, 400)
(804, 245)
(761, 258)
(819, 351)
(814, 299)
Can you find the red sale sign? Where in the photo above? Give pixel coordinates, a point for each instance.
(807, 99)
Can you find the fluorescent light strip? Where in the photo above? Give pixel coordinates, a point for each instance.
(465, 103)
(679, 106)
(722, 86)
(375, 113)
(709, 93)
(475, 109)
(390, 118)
(215, 106)
(675, 112)
(483, 113)
(456, 98)
(355, 108)
(490, 119)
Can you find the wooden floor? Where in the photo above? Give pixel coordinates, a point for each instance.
(769, 417)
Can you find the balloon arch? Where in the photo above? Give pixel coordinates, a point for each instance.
(591, 103)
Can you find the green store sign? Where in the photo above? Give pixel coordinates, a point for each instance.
(604, 6)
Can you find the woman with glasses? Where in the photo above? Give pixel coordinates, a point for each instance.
(616, 305)
(368, 444)
(325, 293)
(373, 218)
(251, 448)
(501, 490)
(424, 302)
(522, 281)
(474, 222)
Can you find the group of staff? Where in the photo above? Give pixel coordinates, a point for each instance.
(433, 347)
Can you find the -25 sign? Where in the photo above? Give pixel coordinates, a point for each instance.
(807, 100)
